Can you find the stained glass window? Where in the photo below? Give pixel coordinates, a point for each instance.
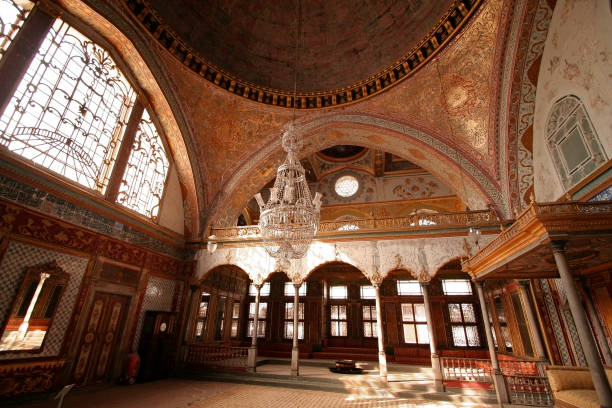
(69, 111)
(414, 323)
(146, 171)
(12, 15)
(369, 320)
(261, 319)
(338, 320)
(289, 320)
(346, 186)
(463, 324)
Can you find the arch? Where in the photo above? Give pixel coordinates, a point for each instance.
(451, 260)
(330, 263)
(144, 67)
(444, 161)
(202, 278)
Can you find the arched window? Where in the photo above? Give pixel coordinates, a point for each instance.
(145, 175)
(12, 15)
(69, 115)
(69, 111)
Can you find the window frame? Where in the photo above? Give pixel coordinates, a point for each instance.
(289, 320)
(414, 323)
(464, 324)
(337, 322)
(261, 322)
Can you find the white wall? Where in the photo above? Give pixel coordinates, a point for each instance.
(172, 215)
(577, 60)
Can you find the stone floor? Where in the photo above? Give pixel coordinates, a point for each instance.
(179, 393)
(271, 387)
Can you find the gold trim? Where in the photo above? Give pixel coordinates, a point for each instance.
(440, 35)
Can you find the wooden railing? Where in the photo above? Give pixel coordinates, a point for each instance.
(526, 380)
(546, 212)
(527, 383)
(219, 357)
(466, 370)
(414, 222)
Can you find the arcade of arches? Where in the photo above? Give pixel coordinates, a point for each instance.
(462, 149)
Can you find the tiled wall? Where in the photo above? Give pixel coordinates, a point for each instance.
(158, 296)
(39, 200)
(17, 259)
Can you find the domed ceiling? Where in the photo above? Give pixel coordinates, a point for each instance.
(350, 49)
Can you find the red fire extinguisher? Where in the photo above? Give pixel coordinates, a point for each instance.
(132, 364)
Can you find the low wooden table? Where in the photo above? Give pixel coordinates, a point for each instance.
(346, 367)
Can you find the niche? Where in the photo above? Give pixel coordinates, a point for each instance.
(33, 308)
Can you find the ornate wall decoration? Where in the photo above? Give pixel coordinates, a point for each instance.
(572, 141)
(441, 34)
(416, 255)
(24, 378)
(414, 187)
(519, 78)
(159, 296)
(37, 199)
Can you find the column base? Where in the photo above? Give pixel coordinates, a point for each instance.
(295, 362)
(500, 388)
(252, 359)
(436, 367)
(382, 365)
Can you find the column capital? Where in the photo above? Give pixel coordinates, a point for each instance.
(424, 283)
(478, 284)
(193, 288)
(558, 246)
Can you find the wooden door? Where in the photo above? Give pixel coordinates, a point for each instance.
(99, 340)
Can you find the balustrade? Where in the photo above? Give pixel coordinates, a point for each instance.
(410, 223)
(220, 357)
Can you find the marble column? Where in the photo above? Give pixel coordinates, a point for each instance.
(501, 390)
(600, 381)
(252, 354)
(295, 351)
(382, 358)
(599, 330)
(532, 320)
(23, 327)
(435, 359)
(325, 288)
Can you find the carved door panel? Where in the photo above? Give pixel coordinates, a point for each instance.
(100, 338)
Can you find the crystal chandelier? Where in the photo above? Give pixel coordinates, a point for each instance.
(290, 218)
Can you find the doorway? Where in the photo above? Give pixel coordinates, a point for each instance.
(100, 338)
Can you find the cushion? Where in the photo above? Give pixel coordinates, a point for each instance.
(577, 398)
(569, 379)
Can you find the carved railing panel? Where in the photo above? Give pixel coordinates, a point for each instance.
(413, 222)
(556, 217)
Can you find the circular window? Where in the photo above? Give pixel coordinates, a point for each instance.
(346, 186)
